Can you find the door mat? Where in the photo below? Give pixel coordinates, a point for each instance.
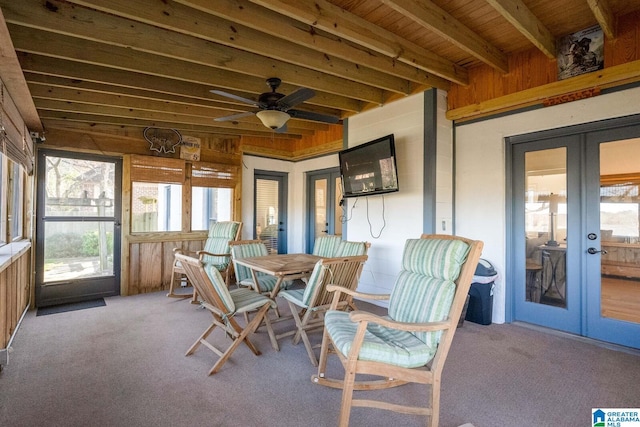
(73, 306)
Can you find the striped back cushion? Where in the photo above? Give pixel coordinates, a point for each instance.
(218, 243)
(314, 281)
(325, 246)
(227, 229)
(246, 251)
(346, 248)
(425, 287)
(220, 287)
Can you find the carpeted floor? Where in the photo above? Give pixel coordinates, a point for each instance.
(124, 365)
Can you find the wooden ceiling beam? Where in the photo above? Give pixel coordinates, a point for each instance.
(328, 17)
(73, 49)
(519, 15)
(267, 56)
(118, 111)
(143, 92)
(283, 27)
(602, 11)
(229, 128)
(64, 18)
(208, 114)
(13, 80)
(436, 19)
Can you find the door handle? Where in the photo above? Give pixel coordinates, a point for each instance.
(594, 251)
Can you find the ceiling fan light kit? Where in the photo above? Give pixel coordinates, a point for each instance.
(273, 119)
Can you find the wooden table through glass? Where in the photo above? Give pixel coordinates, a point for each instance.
(282, 266)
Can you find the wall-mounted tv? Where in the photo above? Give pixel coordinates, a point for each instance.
(369, 168)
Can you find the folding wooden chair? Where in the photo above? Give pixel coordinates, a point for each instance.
(308, 305)
(224, 304)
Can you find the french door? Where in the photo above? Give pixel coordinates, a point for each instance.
(78, 227)
(270, 214)
(324, 214)
(576, 231)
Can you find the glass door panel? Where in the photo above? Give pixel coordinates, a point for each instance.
(613, 283)
(321, 206)
(546, 226)
(78, 221)
(271, 210)
(325, 209)
(546, 210)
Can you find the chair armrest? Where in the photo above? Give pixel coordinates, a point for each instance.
(203, 253)
(333, 288)
(363, 316)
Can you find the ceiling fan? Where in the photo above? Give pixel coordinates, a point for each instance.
(275, 109)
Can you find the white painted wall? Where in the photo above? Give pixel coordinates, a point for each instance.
(403, 211)
(480, 169)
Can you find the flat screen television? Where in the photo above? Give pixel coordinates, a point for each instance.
(369, 168)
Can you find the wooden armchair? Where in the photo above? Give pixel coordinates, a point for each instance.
(411, 343)
(216, 253)
(308, 305)
(224, 304)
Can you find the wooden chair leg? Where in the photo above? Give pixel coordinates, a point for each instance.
(301, 333)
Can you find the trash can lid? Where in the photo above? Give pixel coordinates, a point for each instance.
(485, 268)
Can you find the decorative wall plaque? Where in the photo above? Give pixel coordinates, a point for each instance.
(581, 52)
(162, 140)
(190, 148)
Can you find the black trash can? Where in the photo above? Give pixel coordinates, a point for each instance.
(480, 306)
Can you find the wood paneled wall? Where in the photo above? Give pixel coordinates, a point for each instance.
(531, 69)
(14, 292)
(151, 260)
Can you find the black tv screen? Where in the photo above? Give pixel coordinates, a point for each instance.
(369, 168)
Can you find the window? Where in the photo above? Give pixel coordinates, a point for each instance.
(154, 207)
(15, 187)
(161, 187)
(210, 204)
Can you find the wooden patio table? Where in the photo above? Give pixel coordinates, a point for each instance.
(282, 266)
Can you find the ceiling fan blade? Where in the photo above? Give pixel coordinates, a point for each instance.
(295, 98)
(237, 98)
(234, 116)
(308, 115)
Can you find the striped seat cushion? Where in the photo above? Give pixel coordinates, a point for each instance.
(248, 300)
(380, 344)
(265, 282)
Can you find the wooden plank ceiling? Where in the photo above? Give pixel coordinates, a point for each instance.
(154, 62)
